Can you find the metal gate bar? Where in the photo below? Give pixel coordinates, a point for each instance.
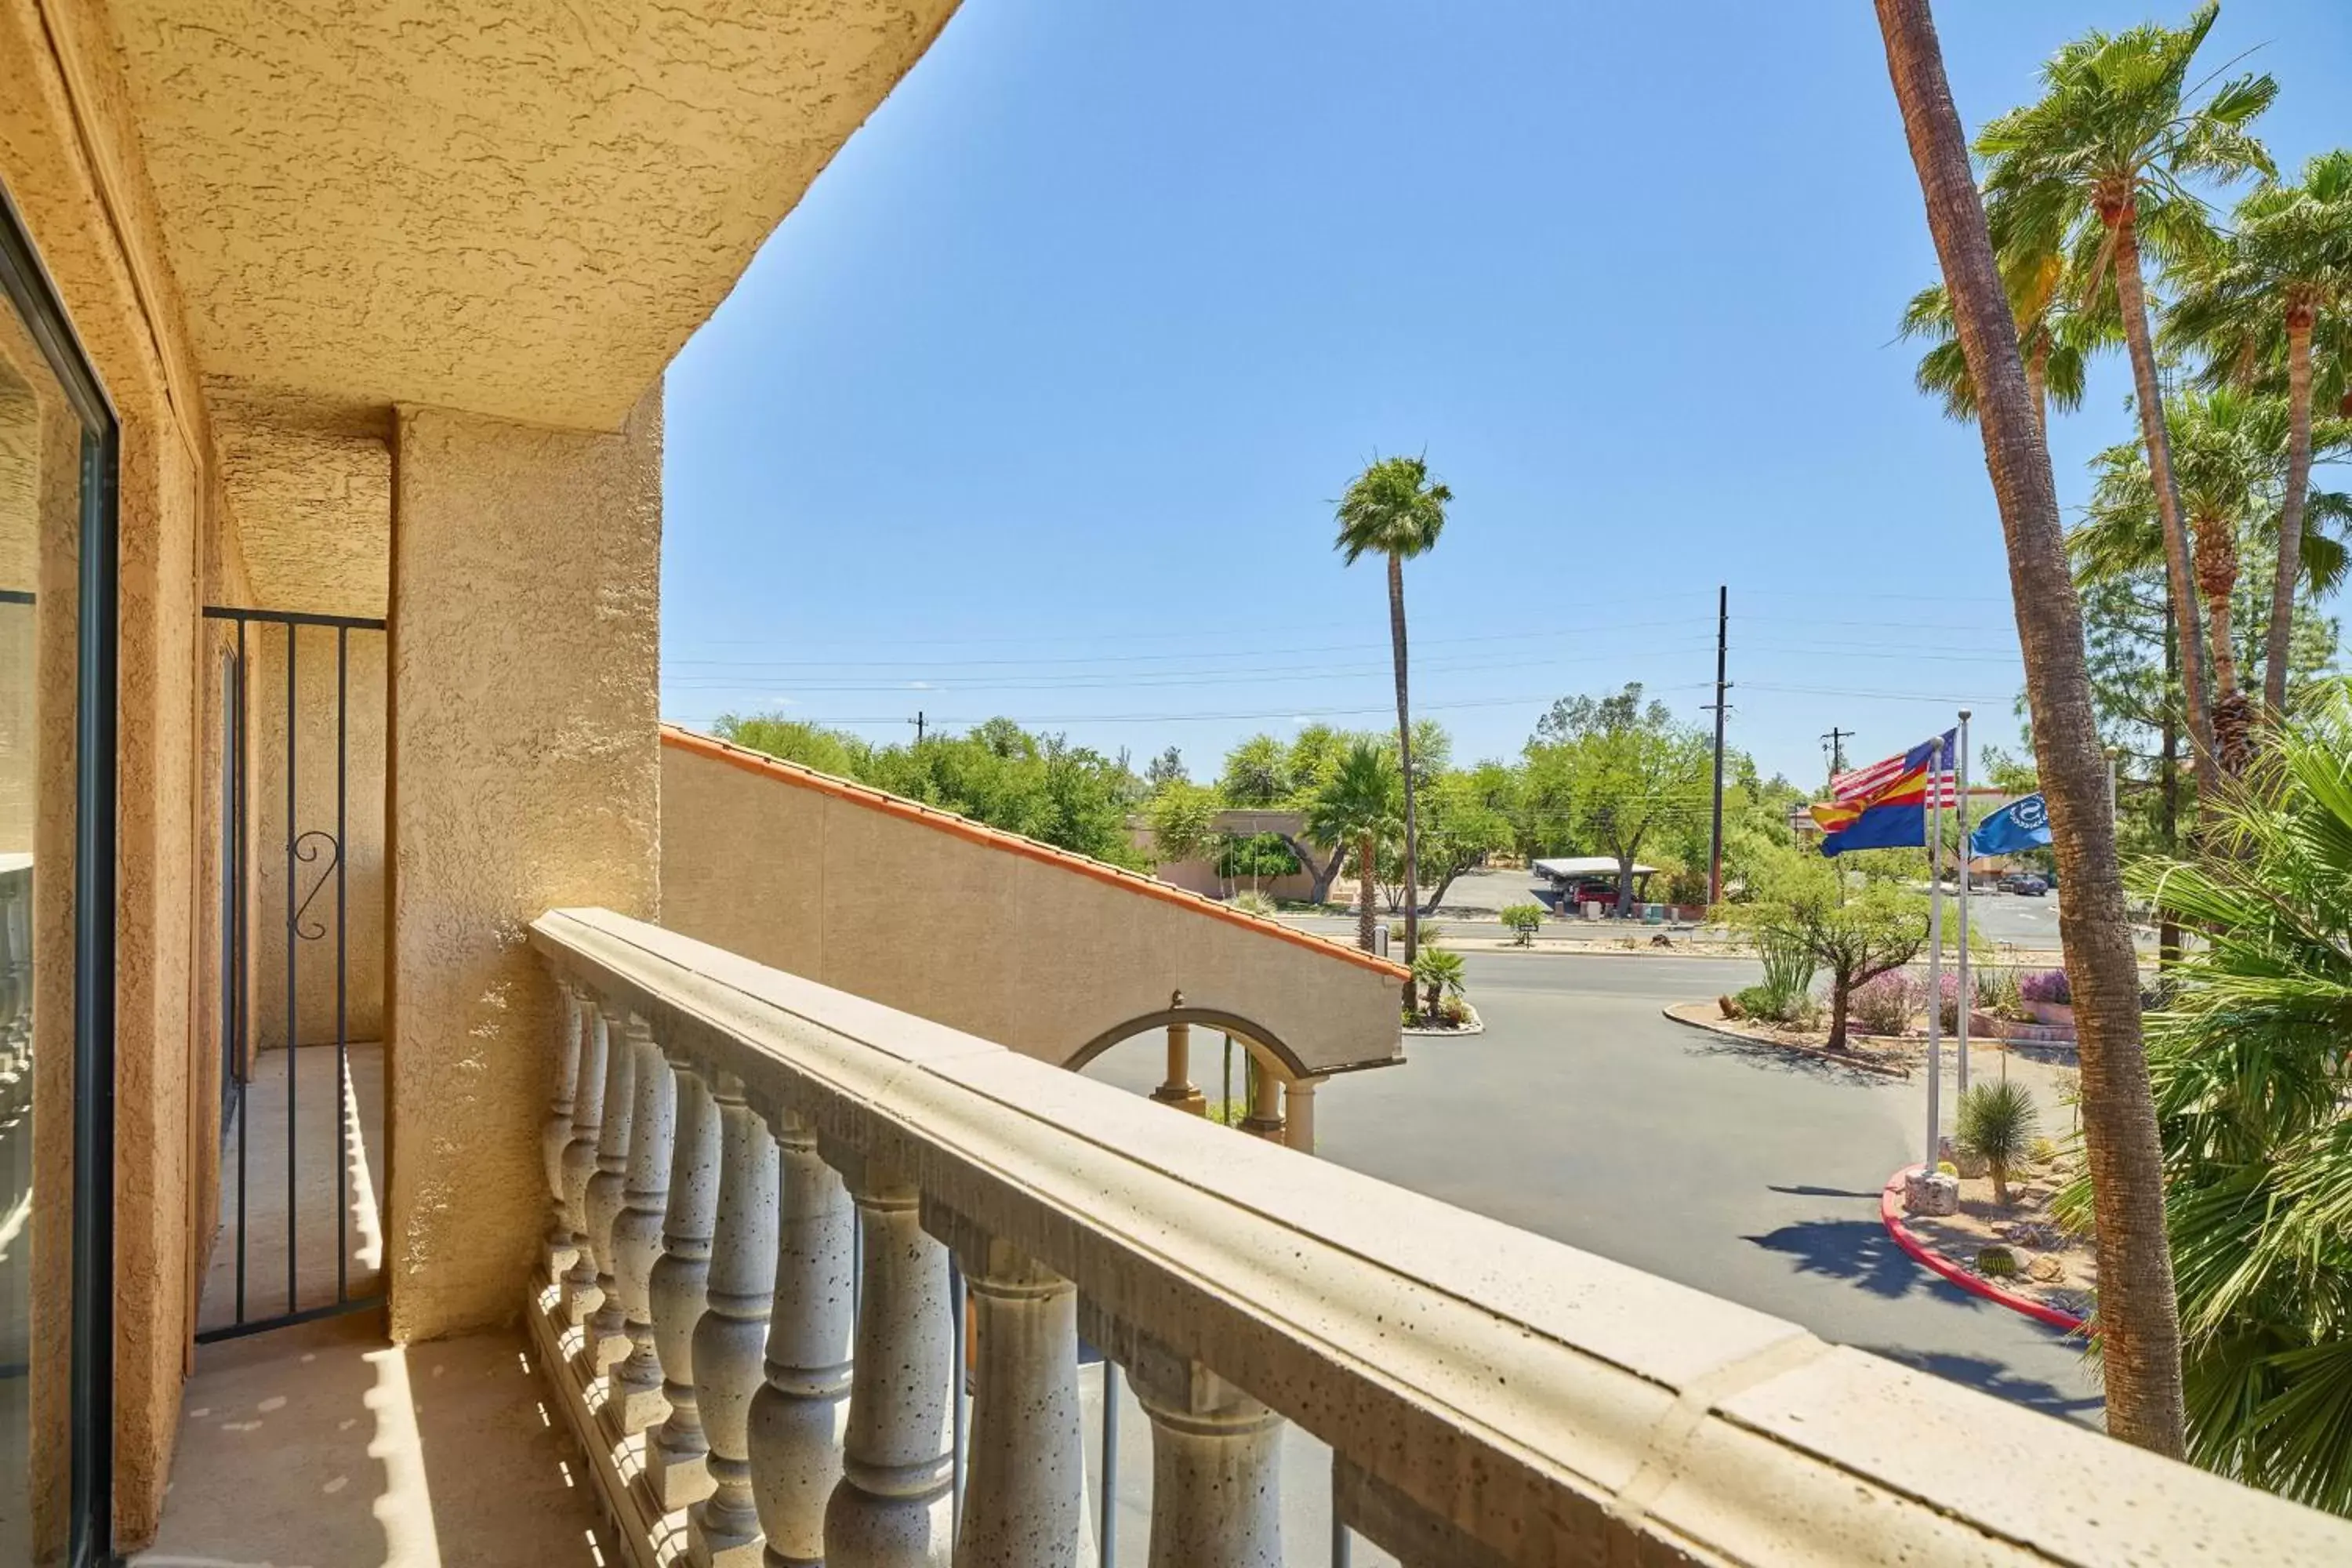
(302, 849)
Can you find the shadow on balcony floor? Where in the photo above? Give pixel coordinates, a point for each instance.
(322, 1443)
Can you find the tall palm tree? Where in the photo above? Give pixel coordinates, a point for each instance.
(1357, 805)
(1394, 509)
(2254, 307)
(2142, 1360)
(2094, 169)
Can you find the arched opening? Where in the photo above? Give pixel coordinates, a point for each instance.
(1226, 1059)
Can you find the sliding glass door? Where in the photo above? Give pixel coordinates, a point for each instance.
(56, 900)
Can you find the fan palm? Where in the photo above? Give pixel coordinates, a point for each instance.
(2093, 170)
(1357, 804)
(2142, 1337)
(2253, 307)
(1394, 509)
(2253, 1090)
(1440, 971)
(2055, 338)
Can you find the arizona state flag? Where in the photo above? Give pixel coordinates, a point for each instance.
(1885, 805)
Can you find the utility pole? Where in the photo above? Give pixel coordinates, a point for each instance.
(917, 723)
(1837, 739)
(1722, 647)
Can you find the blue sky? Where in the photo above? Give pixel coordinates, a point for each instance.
(1037, 404)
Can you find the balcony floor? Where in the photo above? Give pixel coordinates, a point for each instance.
(323, 1443)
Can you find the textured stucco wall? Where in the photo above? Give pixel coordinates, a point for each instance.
(1033, 955)
(521, 209)
(70, 160)
(313, 513)
(525, 775)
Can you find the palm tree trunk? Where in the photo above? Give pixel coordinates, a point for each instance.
(1404, 754)
(2198, 694)
(2037, 384)
(1367, 895)
(2139, 1319)
(2298, 482)
(2214, 542)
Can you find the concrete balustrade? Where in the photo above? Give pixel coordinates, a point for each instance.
(578, 1286)
(607, 1341)
(678, 1472)
(801, 1410)
(556, 1253)
(730, 1341)
(1490, 1397)
(636, 1401)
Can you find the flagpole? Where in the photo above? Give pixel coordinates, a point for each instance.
(1960, 803)
(1935, 959)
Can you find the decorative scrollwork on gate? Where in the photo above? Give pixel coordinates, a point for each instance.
(308, 848)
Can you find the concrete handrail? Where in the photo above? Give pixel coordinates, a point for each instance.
(1490, 1396)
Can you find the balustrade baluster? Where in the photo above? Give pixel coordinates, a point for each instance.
(1024, 1494)
(723, 1529)
(677, 1454)
(637, 1389)
(891, 1507)
(555, 1134)
(580, 1294)
(798, 1415)
(1216, 1471)
(606, 1341)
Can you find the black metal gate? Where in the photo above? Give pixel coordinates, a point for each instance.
(304, 908)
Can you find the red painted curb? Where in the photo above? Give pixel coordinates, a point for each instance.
(1890, 1213)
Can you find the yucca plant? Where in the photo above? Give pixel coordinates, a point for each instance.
(2254, 1096)
(1998, 1123)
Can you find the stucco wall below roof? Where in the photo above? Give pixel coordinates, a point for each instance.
(1017, 943)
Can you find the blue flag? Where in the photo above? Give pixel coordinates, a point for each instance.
(2021, 825)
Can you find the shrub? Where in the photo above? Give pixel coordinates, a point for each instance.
(1430, 932)
(1883, 1006)
(1788, 968)
(1438, 971)
(1948, 1012)
(1760, 1002)
(1997, 1124)
(1523, 922)
(2050, 987)
(1254, 903)
(1263, 855)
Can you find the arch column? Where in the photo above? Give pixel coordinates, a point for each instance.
(677, 1453)
(800, 1414)
(1298, 1113)
(636, 1400)
(1264, 1118)
(580, 1294)
(1179, 1089)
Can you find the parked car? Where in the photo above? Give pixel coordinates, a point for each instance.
(2025, 884)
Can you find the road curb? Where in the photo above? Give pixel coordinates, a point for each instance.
(1890, 1213)
(1816, 1053)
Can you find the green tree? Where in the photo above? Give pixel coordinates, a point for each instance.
(1394, 509)
(2254, 306)
(2048, 150)
(2253, 1092)
(1613, 772)
(1358, 805)
(1854, 939)
(1458, 830)
(2096, 170)
(1183, 817)
(1256, 774)
(1165, 769)
(795, 741)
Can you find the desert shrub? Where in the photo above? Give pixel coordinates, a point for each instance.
(1523, 921)
(1762, 1002)
(1948, 1011)
(2050, 988)
(1254, 903)
(1997, 1124)
(1883, 1006)
(1430, 932)
(1788, 968)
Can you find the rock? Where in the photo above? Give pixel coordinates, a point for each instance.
(1932, 1195)
(2046, 1269)
(1996, 1262)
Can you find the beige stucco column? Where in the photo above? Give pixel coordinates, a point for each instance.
(1298, 1113)
(1264, 1118)
(1179, 1089)
(525, 775)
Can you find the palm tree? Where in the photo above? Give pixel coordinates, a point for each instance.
(2055, 336)
(2093, 170)
(1357, 805)
(2252, 1081)
(2252, 308)
(2142, 1363)
(1440, 971)
(1394, 509)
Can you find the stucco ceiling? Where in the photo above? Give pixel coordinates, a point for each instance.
(520, 209)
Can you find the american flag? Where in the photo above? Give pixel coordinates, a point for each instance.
(1863, 784)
